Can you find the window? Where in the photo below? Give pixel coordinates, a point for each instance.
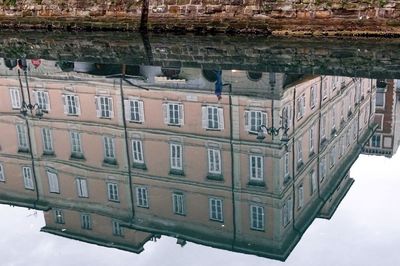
(42, 99)
(254, 119)
(333, 112)
(76, 145)
(47, 140)
(116, 228)
(299, 150)
(376, 141)
(104, 107)
(71, 104)
(324, 89)
(313, 97)
(287, 116)
(134, 110)
(176, 156)
(257, 219)
(22, 138)
(137, 151)
(286, 164)
(142, 197)
(81, 187)
(178, 203)
(53, 182)
(341, 146)
(86, 221)
(28, 179)
(112, 191)
(300, 196)
(213, 117)
(173, 114)
(311, 139)
(109, 150)
(322, 168)
(301, 104)
(332, 156)
(59, 216)
(2, 175)
(287, 211)
(214, 161)
(323, 127)
(256, 168)
(313, 181)
(215, 209)
(15, 99)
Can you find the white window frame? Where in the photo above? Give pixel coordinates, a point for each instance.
(322, 168)
(256, 167)
(178, 203)
(104, 106)
(59, 216)
(2, 174)
(300, 196)
(47, 140)
(299, 151)
(301, 106)
(82, 187)
(333, 116)
(323, 127)
(134, 110)
(109, 147)
(117, 229)
(86, 221)
(212, 117)
(214, 161)
(22, 137)
(286, 164)
(253, 119)
(54, 186)
(15, 97)
(71, 104)
(287, 213)
(137, 151)
(76, 142)
(311, 139)
(174, 114)
(215, 207)
(27, 175)
(42, 99)
(313, 97)
(142, 197)
(176, 154)
(112, 191)
(257, 217)
(287, 115)
(313, 182)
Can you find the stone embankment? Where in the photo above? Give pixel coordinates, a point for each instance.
(278, 17)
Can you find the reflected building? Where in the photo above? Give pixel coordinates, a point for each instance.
(118, 162)
(386, 139)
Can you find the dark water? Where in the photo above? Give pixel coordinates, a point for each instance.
(197, 150)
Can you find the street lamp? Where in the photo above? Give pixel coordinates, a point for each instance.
(25, 107)
(272, 131)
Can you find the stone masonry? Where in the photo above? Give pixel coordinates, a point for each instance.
(294, 17)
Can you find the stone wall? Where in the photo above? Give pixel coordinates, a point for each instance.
(318, 17)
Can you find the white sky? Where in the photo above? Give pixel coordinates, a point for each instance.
(364, 231)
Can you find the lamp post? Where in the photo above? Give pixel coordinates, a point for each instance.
(272, 131)
(25, 107)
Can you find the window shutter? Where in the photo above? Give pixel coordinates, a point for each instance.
(110, 103)
(141, 111)
(127, 109)
(181, 115)
(15, 98)
(78, 105)
(165, 113)
(47, 99)
(84, 188)
(264, 119)
(65, 103)
(204, 117)
(97, 103)
(247, 120)
(221, 118)
(36, 97)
